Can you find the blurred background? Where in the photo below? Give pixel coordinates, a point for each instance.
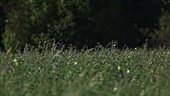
(131, 23)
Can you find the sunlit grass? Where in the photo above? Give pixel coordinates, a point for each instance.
(94, 72)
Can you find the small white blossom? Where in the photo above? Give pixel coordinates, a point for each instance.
(115, 89)
(128, 71)
(75, 63)
(118, 67)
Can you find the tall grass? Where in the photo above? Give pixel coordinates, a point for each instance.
(94, 72)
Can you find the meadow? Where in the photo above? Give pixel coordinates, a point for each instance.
(94, 72)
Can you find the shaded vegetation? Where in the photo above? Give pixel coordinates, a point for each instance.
(84, 22)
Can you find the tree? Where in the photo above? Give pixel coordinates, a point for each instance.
(39, 20)
(79, 22)
(2, 24)
(160, 33)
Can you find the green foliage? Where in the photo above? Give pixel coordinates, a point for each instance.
(93, 72)
(39, 20)
(16, 30)
(162, 34)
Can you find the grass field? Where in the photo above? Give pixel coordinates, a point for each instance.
(94, 72)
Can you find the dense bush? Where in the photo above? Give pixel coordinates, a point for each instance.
(35, 21)
(161, 35)
(94, 72)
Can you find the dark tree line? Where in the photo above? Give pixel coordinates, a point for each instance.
(84, 22)
(2, 25)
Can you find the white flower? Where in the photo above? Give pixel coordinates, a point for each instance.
(115, 89)
(75, 63)
(128, 71)
(118, 67)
